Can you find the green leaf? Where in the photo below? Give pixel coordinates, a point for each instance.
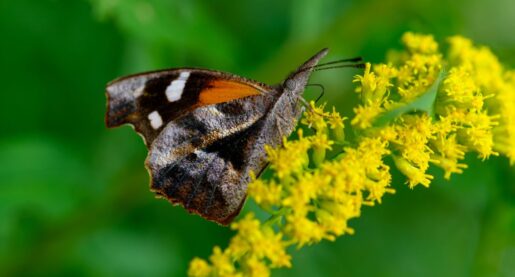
(424, 103)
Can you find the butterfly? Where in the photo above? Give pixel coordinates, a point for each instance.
(206, 130)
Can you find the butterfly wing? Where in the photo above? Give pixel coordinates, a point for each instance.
(196, 124)
(206, 131)
(202, 160)
(150, 100)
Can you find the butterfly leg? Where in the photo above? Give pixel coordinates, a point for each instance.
(306, 104)
(278, 121)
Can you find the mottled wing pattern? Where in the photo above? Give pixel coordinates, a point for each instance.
(202, 160)
(149, 101)
(206, 131)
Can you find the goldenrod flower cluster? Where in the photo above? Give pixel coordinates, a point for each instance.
(421, 108)
(472, 109)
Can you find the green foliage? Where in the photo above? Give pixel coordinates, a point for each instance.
(423, 103)
(74, 196)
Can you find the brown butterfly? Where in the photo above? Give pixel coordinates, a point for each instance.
(206, 130)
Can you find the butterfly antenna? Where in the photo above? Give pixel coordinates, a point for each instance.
(321, 67)
(356, 65)
(353, 60)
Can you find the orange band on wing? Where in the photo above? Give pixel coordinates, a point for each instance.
(220, 91)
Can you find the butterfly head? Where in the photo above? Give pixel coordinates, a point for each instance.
(296, 81)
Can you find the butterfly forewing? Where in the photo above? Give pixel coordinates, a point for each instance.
(149, 101)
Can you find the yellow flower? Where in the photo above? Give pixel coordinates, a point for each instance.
(448, 152)
(386, 71)
(337, 127)
(413, 134)
(419, 66)
(365, 115)
(302, 192)
(292, 158)
(417, 43)
(199, 268)
(460, 90)
(378, 183)
(303, 230)
(222, 263)
(492, 128)
(255, 267)
(503, 104)
(373, 88)
(320, 143)
(477, 133)
(259, 241)
(266, 194)
(460, 47)
(483, 64)
(415, 175)
(315, 117)
(274, 248)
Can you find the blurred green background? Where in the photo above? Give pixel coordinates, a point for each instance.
(74, 196)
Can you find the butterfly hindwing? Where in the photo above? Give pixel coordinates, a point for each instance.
(201, 161)
(149, 101)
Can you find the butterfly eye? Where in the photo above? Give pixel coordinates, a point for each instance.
(290, 84)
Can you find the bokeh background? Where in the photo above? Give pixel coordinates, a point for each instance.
(74, 196)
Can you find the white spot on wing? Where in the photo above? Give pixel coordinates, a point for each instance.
(155, 120)
(174, 90)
